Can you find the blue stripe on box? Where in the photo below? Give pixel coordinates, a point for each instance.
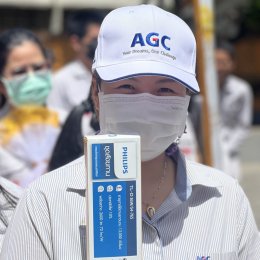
(131, 218)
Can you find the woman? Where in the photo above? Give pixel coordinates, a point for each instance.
(190, 211)
(29, 130)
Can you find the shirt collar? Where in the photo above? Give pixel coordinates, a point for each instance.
(190, 174)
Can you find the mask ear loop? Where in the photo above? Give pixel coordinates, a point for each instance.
(177, 140)
(185, 129)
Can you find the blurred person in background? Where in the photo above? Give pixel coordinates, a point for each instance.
(71, 84)
(10, 165)
(235, 106)
(71, 93)
(29, 130)
(81, 121)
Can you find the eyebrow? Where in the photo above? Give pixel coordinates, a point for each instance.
(166, 80)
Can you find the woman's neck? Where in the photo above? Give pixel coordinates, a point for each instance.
(158, 180)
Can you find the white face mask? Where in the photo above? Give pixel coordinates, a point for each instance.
(159, 120)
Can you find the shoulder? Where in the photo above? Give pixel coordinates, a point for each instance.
(69, 176)
(227, 189)
(66, 72)
(227, 206)
(71, 69)
(238, 85)
(67, 68)
(209, 176)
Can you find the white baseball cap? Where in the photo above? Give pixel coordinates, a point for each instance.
(145, 40)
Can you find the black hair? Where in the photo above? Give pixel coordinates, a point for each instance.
(98, 79)
(12, 38)
(226, 46)
(78, 22)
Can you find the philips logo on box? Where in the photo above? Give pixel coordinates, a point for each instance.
(125, 159)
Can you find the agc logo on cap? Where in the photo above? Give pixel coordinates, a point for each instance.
(151, 39)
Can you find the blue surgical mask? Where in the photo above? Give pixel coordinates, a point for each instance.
(30, 89)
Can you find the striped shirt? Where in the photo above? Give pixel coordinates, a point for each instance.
(9, 196)
(206, 216)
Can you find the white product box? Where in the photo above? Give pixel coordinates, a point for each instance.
(113, 196)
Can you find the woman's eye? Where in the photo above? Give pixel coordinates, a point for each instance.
(126, 87)
(19, 71)
(123, 88)
(167, 90)
(38, 67)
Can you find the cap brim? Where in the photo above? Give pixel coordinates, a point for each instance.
(121, 71)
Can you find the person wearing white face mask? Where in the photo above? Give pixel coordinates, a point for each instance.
(126, 108)
(144, 72)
